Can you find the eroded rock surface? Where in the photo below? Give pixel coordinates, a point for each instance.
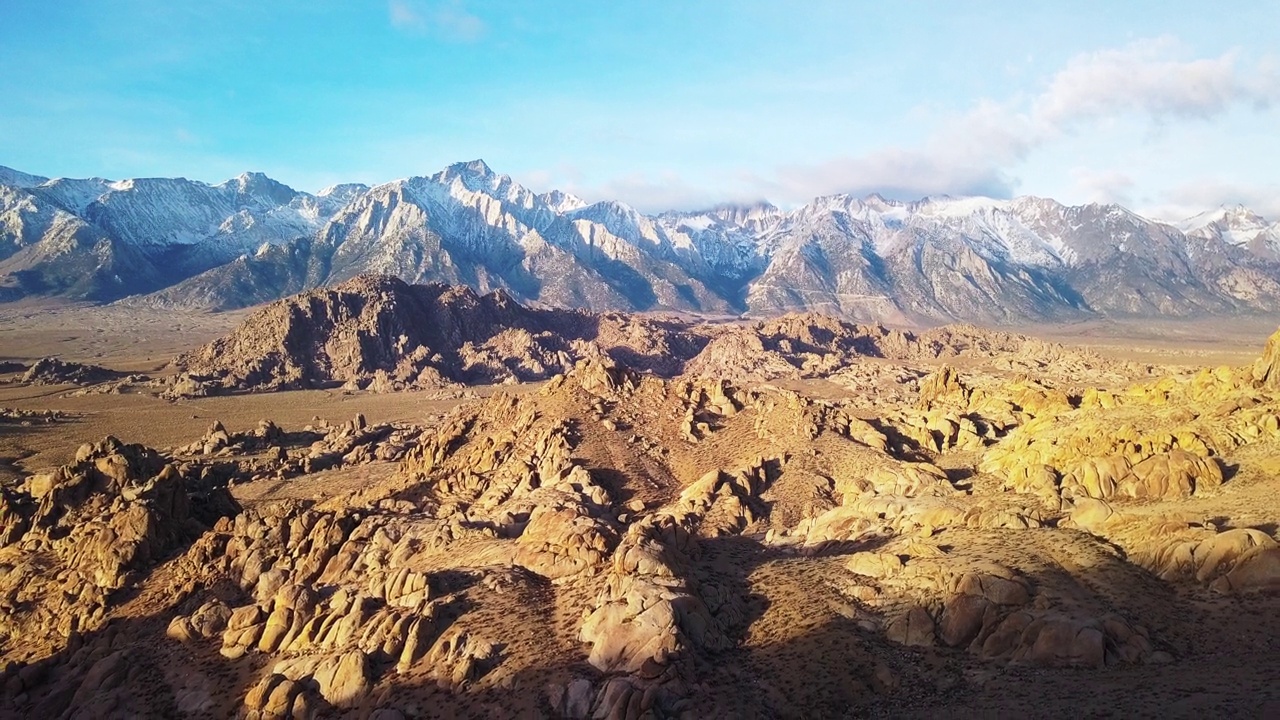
(642, 539)
(55, 371)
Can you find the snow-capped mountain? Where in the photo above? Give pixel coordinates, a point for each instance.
(252, 239)
(1237, 226)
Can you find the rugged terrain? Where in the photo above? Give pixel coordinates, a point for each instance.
(379, 333)
(172, 242)
(652, 517)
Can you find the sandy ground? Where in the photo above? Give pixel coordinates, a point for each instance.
(144, 340)
(1228, 646)
(163, 423)
(128, 339)
(1197, 342)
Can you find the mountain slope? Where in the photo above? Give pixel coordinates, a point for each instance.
(171, 241)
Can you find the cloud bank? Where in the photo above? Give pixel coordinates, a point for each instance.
(976, 153)
(980, 151)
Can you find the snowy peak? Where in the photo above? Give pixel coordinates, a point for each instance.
(561, 202)
(618, 218)
(946, 206)
(975, 258)
(256, 188)
(1235, 217)
(752, 215)
(75, 195)
(1236, 225)
(476, 168)
(343, 192)
(19, 179)
(475, 175)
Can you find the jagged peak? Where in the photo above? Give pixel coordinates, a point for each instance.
(17, 178)
(343, 190)
(878, 198)
(1036, 201)
(758, 208)
(561, 201)
(957, 206)
(260, 184)
(251, 176)
(737, 214)
(476, 176)
(609, 209)
(477, 169)
(1235, 216)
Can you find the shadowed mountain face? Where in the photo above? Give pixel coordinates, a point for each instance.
(376, 331)
(174, 242)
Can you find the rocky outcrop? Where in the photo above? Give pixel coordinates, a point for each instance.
(102, 521)
(1266, 371)
(18, 416)
(267, 451)
(369, 329)
(995, 612)
(54, 371)
(382, 334)
(616, 543)
(1176, 473)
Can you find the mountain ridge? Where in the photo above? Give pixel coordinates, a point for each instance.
(176, 242)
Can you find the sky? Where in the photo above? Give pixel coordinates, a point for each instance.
(1169, 108)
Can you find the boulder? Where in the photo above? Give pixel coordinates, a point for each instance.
(1266, 370)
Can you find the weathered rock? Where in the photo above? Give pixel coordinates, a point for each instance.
(915, 627)
(53, 371)
(1259, 571)
(1266, 371)
(342, 680)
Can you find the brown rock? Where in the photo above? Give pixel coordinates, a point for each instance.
(1266, 371)
(915, 627)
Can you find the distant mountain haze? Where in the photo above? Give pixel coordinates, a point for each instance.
(174, 242)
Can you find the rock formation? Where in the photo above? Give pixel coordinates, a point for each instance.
(80, 534)
(678, 541)
(1267, 370)
(53, 371)
(381, 334)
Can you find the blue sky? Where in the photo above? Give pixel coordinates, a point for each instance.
(1168, 107)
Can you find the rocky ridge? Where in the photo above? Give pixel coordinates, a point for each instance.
(174, 242)
(54, 371)
(378, 333)
(617, 543)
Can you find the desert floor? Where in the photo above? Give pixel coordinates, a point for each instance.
(1226, 648)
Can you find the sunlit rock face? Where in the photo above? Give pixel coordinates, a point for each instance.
(607, 515)
(172, 242)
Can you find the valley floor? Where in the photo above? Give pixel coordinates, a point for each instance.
(1086, 529)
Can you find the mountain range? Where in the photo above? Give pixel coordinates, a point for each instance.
(173, 242)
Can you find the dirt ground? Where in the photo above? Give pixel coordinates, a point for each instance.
(801, 646)
(142, 340)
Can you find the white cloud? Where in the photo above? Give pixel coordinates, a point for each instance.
(446, 18)
(977, 152)
(1104, 186)
(893, 172)
(653, 194)
(1147, 77)
(1188, 199)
